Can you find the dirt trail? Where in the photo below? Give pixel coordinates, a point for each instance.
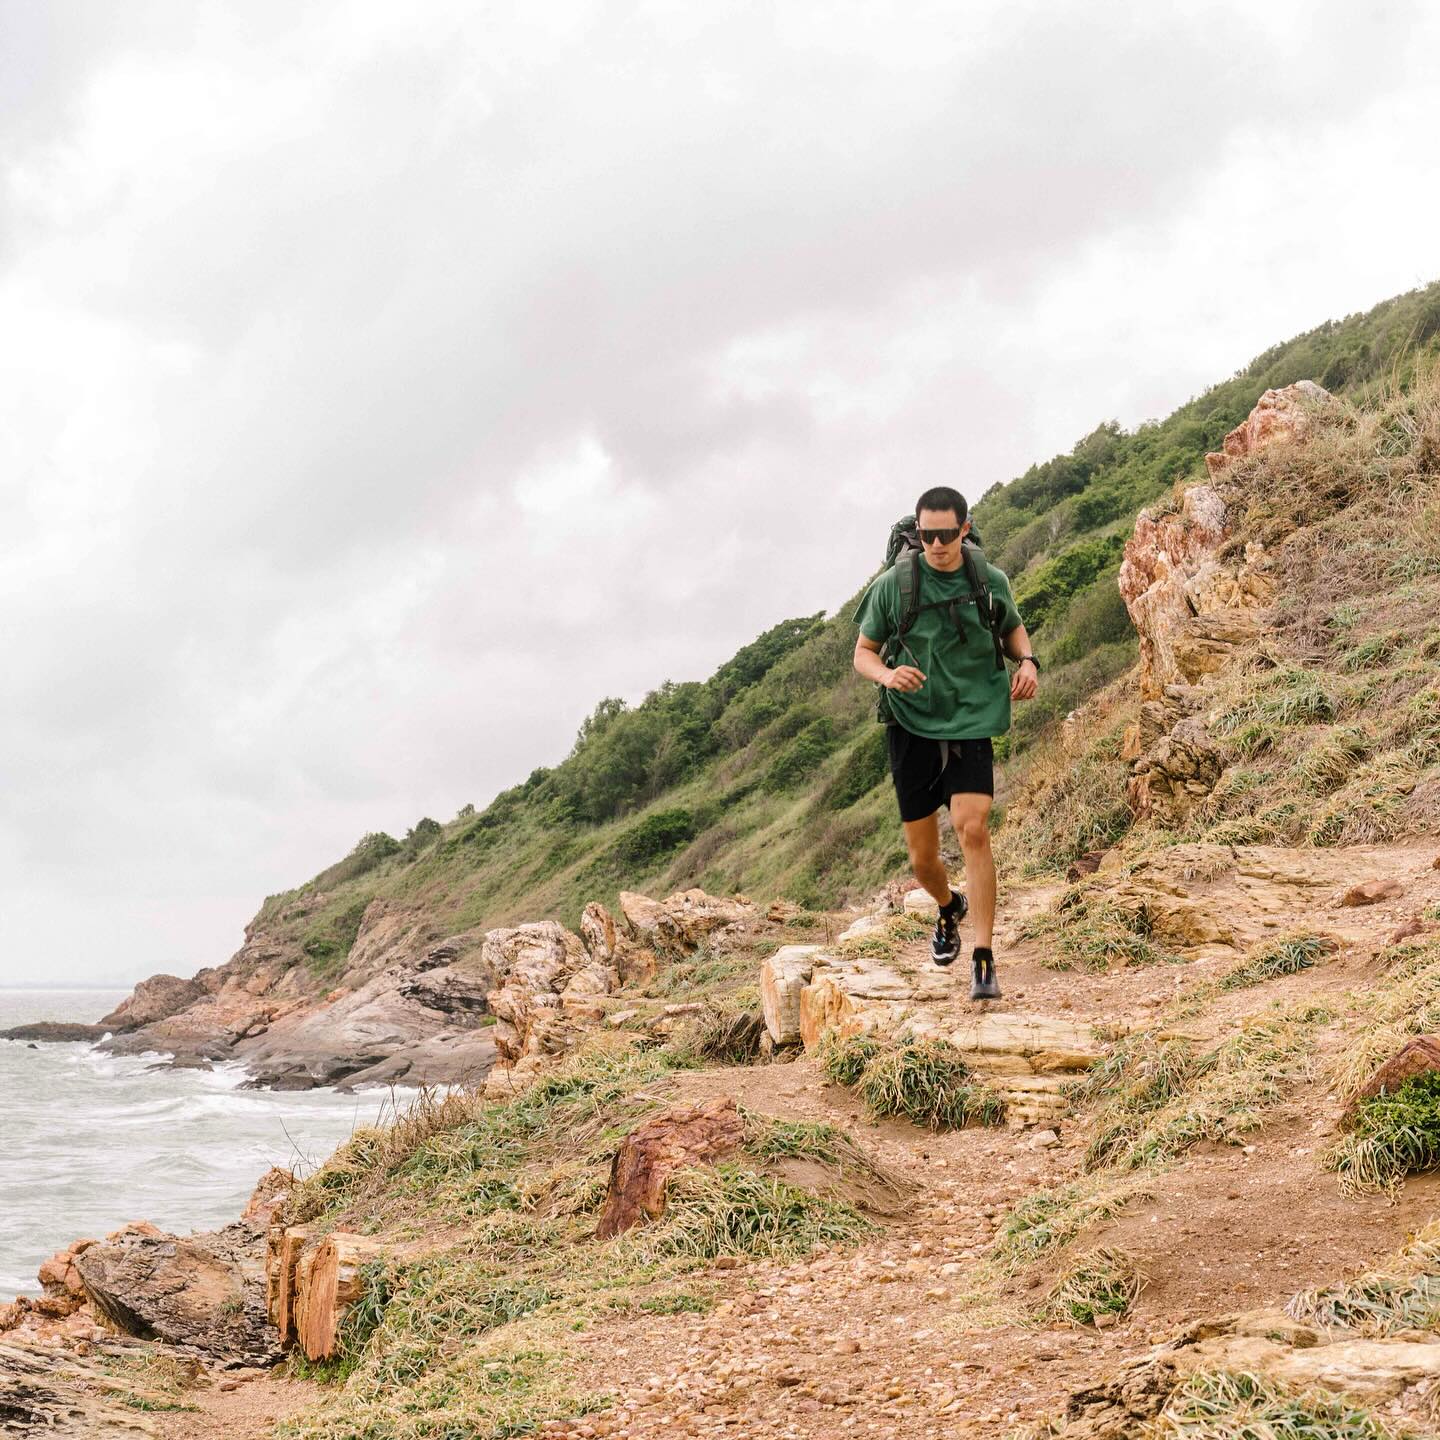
(891, 1340)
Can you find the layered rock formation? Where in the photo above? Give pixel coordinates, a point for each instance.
(1266, 1344)
(809, 992)
(1194, 603)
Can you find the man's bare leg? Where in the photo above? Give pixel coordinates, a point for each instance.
(922, 839)
(970, 814)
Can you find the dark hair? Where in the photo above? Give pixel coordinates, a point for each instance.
(942, 497)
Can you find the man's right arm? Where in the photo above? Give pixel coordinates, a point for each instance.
(869, 664)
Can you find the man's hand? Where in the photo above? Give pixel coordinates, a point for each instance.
(904, 677)
(1024, 683)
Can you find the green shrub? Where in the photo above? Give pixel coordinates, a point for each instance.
(797, 762)
(1393, 1134)
(1096, 616)
(650, 840)
(865, 765)
(328, 943)
(1048, 588)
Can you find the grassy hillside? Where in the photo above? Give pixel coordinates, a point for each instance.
(769, 777)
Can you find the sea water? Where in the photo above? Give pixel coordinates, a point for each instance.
(89, 1141)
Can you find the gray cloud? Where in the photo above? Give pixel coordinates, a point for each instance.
(323, 333)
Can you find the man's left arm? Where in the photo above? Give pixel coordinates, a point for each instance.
(1026, 680)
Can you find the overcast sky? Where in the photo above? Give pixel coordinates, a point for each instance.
(381, 385)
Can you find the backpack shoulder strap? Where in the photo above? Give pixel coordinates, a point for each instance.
(907, 575)
(992, 615)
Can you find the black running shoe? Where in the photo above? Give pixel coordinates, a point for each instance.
(983, 984)
(945, 942)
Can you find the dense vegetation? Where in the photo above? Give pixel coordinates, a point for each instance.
(769, 776)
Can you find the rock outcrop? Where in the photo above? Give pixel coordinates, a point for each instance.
(57, 1395)
(1287, 414)
(1194, 604)
(420, 1021)
(678, 925)
(410, 1007)
(157, 998)
(546, 986)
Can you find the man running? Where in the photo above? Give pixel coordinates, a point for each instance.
(948, 698)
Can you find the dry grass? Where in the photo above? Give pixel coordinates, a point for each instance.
(1069, 802)
(469, 1338)
(1406, 1004)
(1087, 930)
(1286, 955)
(1229, 1405)
(1158, 1096)
(1403, 1294)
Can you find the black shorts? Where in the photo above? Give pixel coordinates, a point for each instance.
(925, 777)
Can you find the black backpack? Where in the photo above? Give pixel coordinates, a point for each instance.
(903, 552)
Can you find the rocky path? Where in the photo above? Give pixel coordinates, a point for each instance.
(915, 1334)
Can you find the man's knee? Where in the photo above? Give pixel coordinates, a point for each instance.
(973, 829)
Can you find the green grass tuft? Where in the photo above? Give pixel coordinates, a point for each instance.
(1104, 1281)
(1286, 956)
(924, 1081)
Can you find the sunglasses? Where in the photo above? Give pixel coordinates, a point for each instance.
(940, 537)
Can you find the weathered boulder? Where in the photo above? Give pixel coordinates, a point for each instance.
(870, 924)
(783, 976)
(1177, 771)
(1372, 892)
(1407, 929)
(205, 1291)
(310, 1283)
(534, 965)
(640, 1173)
(597, 933)
(271, 1192)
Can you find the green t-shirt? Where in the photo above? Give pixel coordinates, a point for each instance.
(964, 696)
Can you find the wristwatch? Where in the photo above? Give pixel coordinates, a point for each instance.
(1032, 660)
